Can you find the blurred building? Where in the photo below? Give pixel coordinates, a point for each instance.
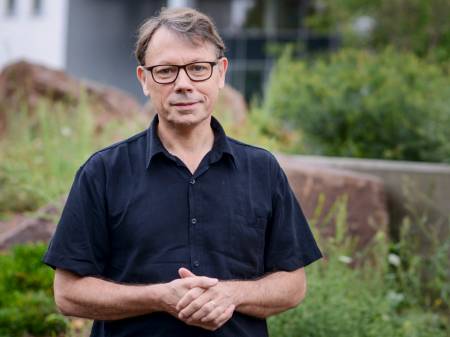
(94, 39)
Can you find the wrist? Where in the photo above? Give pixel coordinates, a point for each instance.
(157, 293)
(235, 291)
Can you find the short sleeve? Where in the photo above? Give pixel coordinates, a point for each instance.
(290, 243)
(80, 242)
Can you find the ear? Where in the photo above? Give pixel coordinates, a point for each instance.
(142, 77)
(223, 66)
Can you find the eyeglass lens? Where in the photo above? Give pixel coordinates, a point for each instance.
(196, 71)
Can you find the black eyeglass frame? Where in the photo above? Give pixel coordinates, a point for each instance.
(184, 66)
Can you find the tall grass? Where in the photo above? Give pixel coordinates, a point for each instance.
(384, 296)
(42, 150)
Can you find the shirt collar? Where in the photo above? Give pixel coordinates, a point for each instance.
(221, 143)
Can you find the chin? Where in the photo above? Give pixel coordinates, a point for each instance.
(187, 118)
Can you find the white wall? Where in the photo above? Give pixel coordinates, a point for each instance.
(39, 38)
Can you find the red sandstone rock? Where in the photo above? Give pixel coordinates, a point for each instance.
(40, 227)
(364, 194)
(231, 105)
(25, 84)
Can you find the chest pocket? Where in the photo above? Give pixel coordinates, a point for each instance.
(247, 235)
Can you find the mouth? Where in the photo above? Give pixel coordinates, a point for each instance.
(184, 104)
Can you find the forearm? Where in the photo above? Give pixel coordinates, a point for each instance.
(270, 295)
(94, 298)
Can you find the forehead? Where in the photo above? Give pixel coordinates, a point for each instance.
(168, 47)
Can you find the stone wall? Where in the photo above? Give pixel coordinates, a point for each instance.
(412, 188)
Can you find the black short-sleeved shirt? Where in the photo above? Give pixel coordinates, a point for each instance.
(135, 215)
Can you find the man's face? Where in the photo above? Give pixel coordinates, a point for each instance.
(184, 102)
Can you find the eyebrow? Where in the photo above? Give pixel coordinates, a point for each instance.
(176, 64)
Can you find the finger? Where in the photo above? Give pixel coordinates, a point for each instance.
(205, 310)
(218, 322)
(222, 319)
(194, 306)
(190, 296)
(216, 313)
(201, 281)
(184, 272)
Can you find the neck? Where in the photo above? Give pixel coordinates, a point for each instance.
(186, 139)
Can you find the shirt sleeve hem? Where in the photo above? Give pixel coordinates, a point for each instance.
(82, 268)
(294, 263)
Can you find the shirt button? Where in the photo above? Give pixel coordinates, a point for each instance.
(194, 221)
(196, 263)
(192, 182)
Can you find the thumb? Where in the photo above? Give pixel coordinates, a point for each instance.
(183, 272)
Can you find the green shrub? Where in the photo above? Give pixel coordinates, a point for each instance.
(26, 297)
(388, 105)
(22, 269)
(33, 313)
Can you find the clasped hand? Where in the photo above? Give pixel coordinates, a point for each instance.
(199, 301)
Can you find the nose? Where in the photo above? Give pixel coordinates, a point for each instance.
(183, 83)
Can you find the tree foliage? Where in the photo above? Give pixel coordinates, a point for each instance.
(419, 26)
(387, 105)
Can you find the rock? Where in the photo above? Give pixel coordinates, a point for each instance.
(26, 84)
(418, 191)
(231, 105)
(12, 222)
(366, 206)
(38, 228)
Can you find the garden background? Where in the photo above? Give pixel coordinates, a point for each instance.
(382, 95)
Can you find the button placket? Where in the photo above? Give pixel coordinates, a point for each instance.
(192, 224)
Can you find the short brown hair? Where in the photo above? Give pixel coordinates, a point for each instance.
(187, 22)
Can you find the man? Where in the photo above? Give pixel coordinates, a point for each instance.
(180, 230)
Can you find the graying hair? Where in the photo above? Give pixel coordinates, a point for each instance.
(187, 22)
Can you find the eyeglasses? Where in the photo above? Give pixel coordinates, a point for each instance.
(168, 73)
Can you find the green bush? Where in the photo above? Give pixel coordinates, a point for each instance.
(388, 105)
(26, 297)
